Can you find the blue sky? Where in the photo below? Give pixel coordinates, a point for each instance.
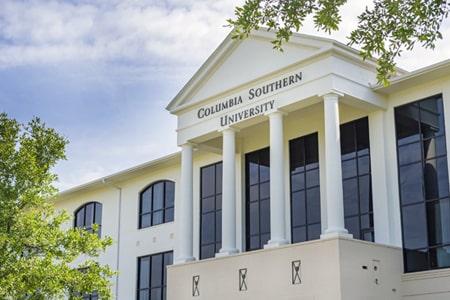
(101, 72)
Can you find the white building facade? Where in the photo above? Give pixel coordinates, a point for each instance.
(298, 178)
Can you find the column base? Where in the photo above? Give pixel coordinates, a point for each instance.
(342, 233)
(227, 252)
(183, 260)
(275, 243)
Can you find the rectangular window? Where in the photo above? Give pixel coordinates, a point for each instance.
(356, 179)
(152, 276)
(423, 184)
(210, 210)
(257, 179)
(305, 189)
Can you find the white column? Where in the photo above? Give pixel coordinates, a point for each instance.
(333, 169)
(185, 207)
(277, 195)
(228, 194)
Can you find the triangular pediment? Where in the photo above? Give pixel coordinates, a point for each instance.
(236, 63)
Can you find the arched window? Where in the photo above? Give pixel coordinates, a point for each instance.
(89, 214)
(156, 204)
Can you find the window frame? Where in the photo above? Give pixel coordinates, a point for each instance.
(162, 286)
(263, 203)
(301, 175)
(360, 151)
(97, 215)
(166, 210)
(420, 251)
(214, 210)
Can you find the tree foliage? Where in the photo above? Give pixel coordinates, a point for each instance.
(383, 31)
(38, 258)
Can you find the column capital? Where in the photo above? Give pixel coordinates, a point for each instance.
(228, 129)
(188, 145)
(276, 112)
(331, 94)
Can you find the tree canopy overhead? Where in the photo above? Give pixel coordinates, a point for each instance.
(383, 31)
(38, 258)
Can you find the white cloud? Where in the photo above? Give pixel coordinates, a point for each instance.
(144, 32)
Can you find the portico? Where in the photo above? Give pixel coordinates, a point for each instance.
(218, 120)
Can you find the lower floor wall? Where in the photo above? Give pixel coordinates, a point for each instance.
(428, 285)
(330, 269)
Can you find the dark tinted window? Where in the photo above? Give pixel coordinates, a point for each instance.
(152, 276)
(305, 189)
(156, 204)
(257, 172)
(211, 210)
(89, 214)
(356, 179)
(423, 184)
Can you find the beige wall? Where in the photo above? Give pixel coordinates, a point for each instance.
(330, 270)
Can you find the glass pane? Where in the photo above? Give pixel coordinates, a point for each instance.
(409, 153)
(98, 214)
(264, 191)
(364, 165)
(146, 220)
(441, 148)
(414, 226)
(297, 182)
(314, 232)
(348, 168)
(312, 178)
(158, 217)
(365, 194)
(264, 163)
(406, 123)
(219, 178)
(438, 213)
(253, 216)
(218, 226)
(254, 243)
(351, 205)
(146, 200)
(144, 269)
(170, 194)
(253, 192)
(208, 251)
(411, 183)
(297, 155)
(442, 175)
(313, 205)
(158, 196)
(416, 260)
(208, 181)
(264, 239)
(208, 204)
(311, 149)
(169, 215)
(219, 202)
(362, 135)
(156, 294)
(347, 139)
(80, 218)
(440, 257)
(144, 295)
(353, 227)
(265, 216)
(298, 234)
(156, 270)
(253, 173)
(298, 209)
(89, 217)
(208, 228)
